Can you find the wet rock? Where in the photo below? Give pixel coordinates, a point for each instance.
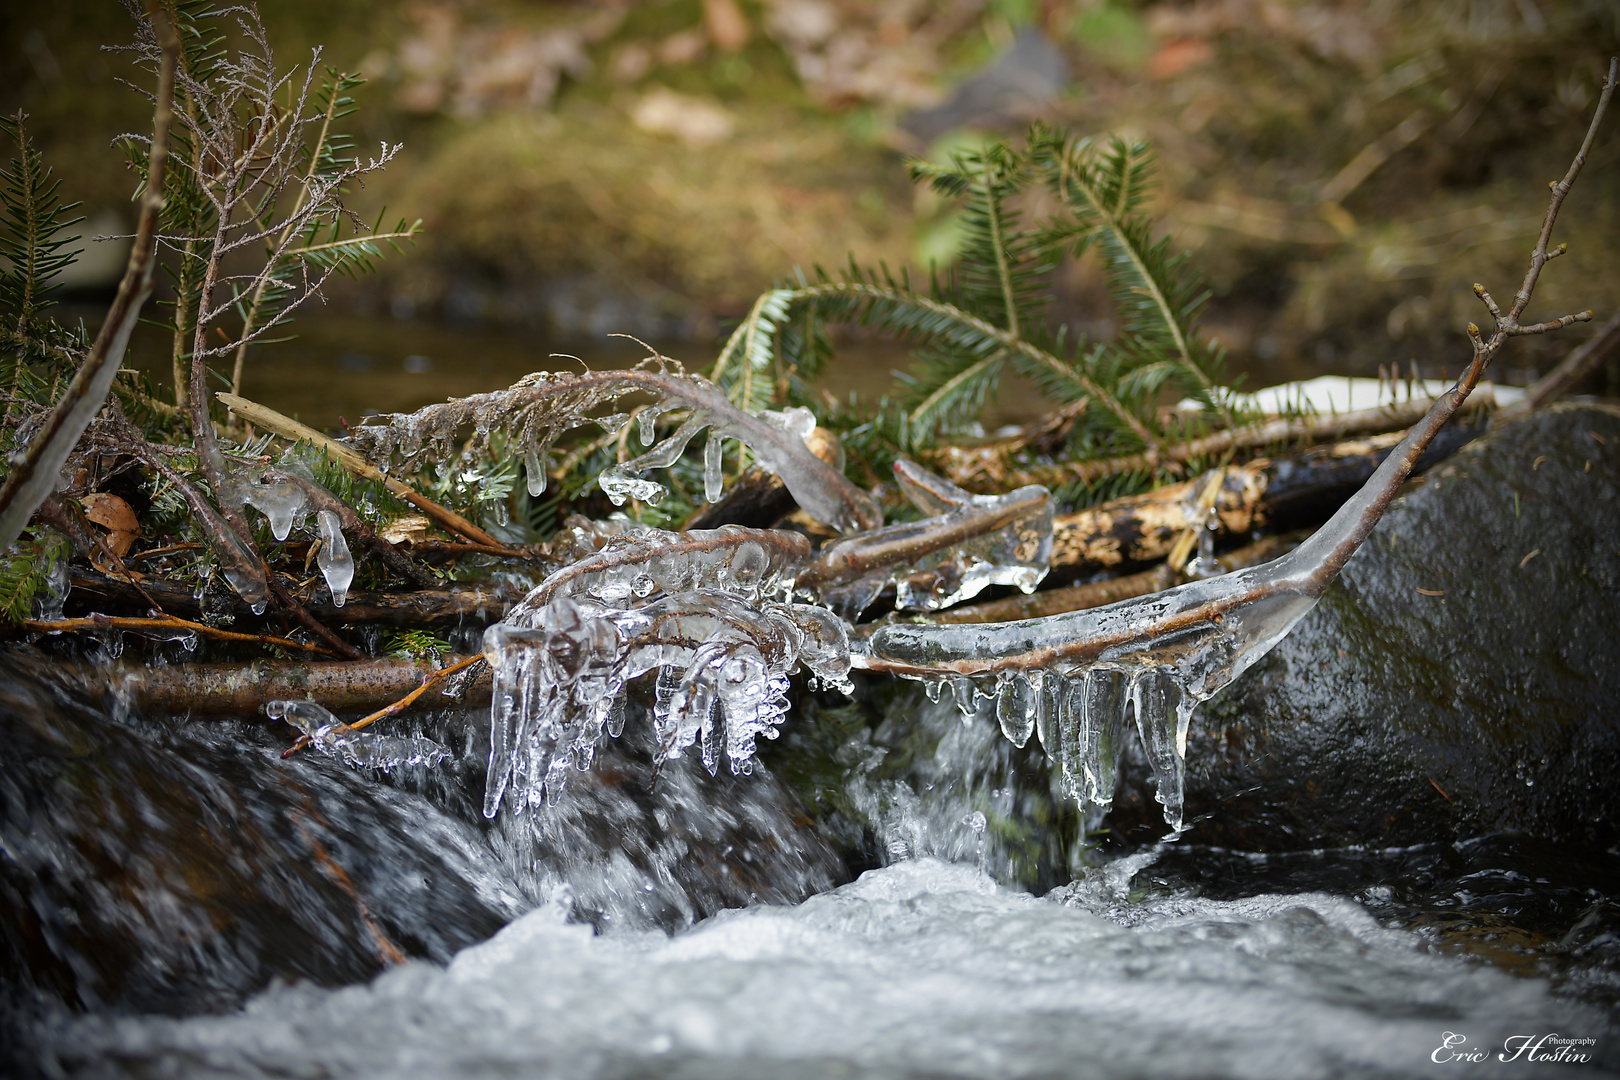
(1461, 677)
(179, 866)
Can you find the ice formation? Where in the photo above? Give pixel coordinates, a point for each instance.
(777, 440)
(281, 501)
(968, 542)
(723, 664)
(540, 407)
(362, 750)
(336, 564)
(1075, 678)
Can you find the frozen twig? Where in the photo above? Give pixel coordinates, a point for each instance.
(168, 624)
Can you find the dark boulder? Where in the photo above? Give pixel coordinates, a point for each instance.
(1461, 677)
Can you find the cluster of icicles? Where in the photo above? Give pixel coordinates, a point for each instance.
(286, 506)
(718, 618)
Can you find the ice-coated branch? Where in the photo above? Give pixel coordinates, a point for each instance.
(1069, 676)
(723, 666)
(967, 543)
(541, 407)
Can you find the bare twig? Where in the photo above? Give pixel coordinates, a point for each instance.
(397, 707)
(1569, 373)
(243, 688)
(415, 607)
(97, 623)
(33, 476)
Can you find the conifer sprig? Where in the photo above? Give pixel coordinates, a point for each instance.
(988, 312)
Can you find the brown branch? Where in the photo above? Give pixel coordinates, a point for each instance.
(414, 607)
(33, 476)
(243, 688)
(963, 465)
(96, 622)
(1264, 493)
(290, 605)
(397, 707)
(395, 560)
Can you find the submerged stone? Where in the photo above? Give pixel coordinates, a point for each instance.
(1461, 677)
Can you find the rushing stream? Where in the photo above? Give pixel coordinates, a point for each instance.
(200, 907)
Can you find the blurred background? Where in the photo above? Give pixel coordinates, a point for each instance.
(1339, 172)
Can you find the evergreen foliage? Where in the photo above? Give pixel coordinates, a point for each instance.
(988, 313)
(37, 352)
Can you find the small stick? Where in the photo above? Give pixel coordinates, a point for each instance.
(97, 621)
(428, 683)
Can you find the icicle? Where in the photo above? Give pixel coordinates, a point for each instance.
(966, 697)
(534, 472)
(970, 542)
(360, 749)
(251, 589)
(1103, 723)
(723, 665)
(713, 478)
(337, 565)
(1015, 709)
(1156, 694)
(1205, 564)
(280, 502)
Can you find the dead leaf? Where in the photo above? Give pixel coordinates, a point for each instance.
(114, 515)
(727, 24)
(694, 121)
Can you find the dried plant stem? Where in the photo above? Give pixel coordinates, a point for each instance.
(397, 707)
(242, 689)
(33, 477)
(415, 607)
(963, 464)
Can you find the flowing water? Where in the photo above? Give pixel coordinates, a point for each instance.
(181, 902)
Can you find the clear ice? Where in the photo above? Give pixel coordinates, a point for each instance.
(776, 439)
(967, 542)
(722, 665)
(1076, 679)
(360, 749)
(336, 564)
(281, 501)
